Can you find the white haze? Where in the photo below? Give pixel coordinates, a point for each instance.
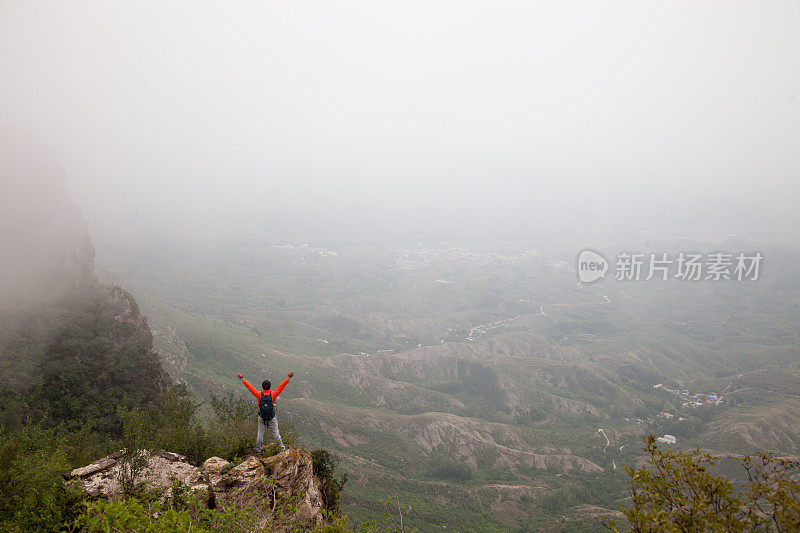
(414, 118)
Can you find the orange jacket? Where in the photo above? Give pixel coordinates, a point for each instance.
(257, 393)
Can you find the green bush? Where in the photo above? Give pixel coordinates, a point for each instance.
(182, 512)
(32, 494)
(676, 491)
(444, 466)
(568, 495)
(131, 515)
(325, 464)
(232, 428)
(172, 423)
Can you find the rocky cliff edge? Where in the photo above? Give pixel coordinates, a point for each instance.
(258, 484)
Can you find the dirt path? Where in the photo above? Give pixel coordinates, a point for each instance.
(600, 430)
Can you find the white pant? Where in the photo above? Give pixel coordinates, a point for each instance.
(273, 427)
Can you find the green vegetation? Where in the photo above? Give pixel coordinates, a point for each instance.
(95, 365)
(446, 467)
(32, 495)
(677, 491)
(79, 365)
(149, 511)
(325, 464)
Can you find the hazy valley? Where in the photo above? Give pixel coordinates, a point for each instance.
(477, 376)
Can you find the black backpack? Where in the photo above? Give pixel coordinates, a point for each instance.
(265, 408)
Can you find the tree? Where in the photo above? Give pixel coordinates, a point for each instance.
(675, 491)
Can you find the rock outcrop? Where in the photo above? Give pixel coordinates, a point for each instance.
(117, 305)
(284, 481)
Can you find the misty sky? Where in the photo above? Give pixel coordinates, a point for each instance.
(368, 116)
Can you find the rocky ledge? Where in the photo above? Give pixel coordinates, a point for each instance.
(258, 484)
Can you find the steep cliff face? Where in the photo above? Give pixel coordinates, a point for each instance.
(281, 491)
(130, 326)
(70, 349)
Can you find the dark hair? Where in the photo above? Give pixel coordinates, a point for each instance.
(265, 385)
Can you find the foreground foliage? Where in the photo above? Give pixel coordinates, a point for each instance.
(32, 496)
(676, 491)
(150, 511)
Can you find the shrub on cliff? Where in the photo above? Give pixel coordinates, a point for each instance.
(325, 464)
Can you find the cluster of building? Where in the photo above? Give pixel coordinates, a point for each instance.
(667, 439)
(476, 332)
(324, 252)
(692, 400)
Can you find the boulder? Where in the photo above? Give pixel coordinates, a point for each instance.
(214, 465)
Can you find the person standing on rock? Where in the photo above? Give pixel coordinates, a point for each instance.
(267, 407)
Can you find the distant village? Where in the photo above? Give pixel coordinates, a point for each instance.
(688, 400)
(692, 400)
(478, 331)
(425, 257)
(324, 252)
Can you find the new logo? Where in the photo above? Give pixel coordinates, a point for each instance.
(591, 266)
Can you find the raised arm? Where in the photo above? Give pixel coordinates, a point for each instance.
(280, 387)
(254, 391)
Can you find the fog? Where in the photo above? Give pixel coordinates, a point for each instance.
(413, 119)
